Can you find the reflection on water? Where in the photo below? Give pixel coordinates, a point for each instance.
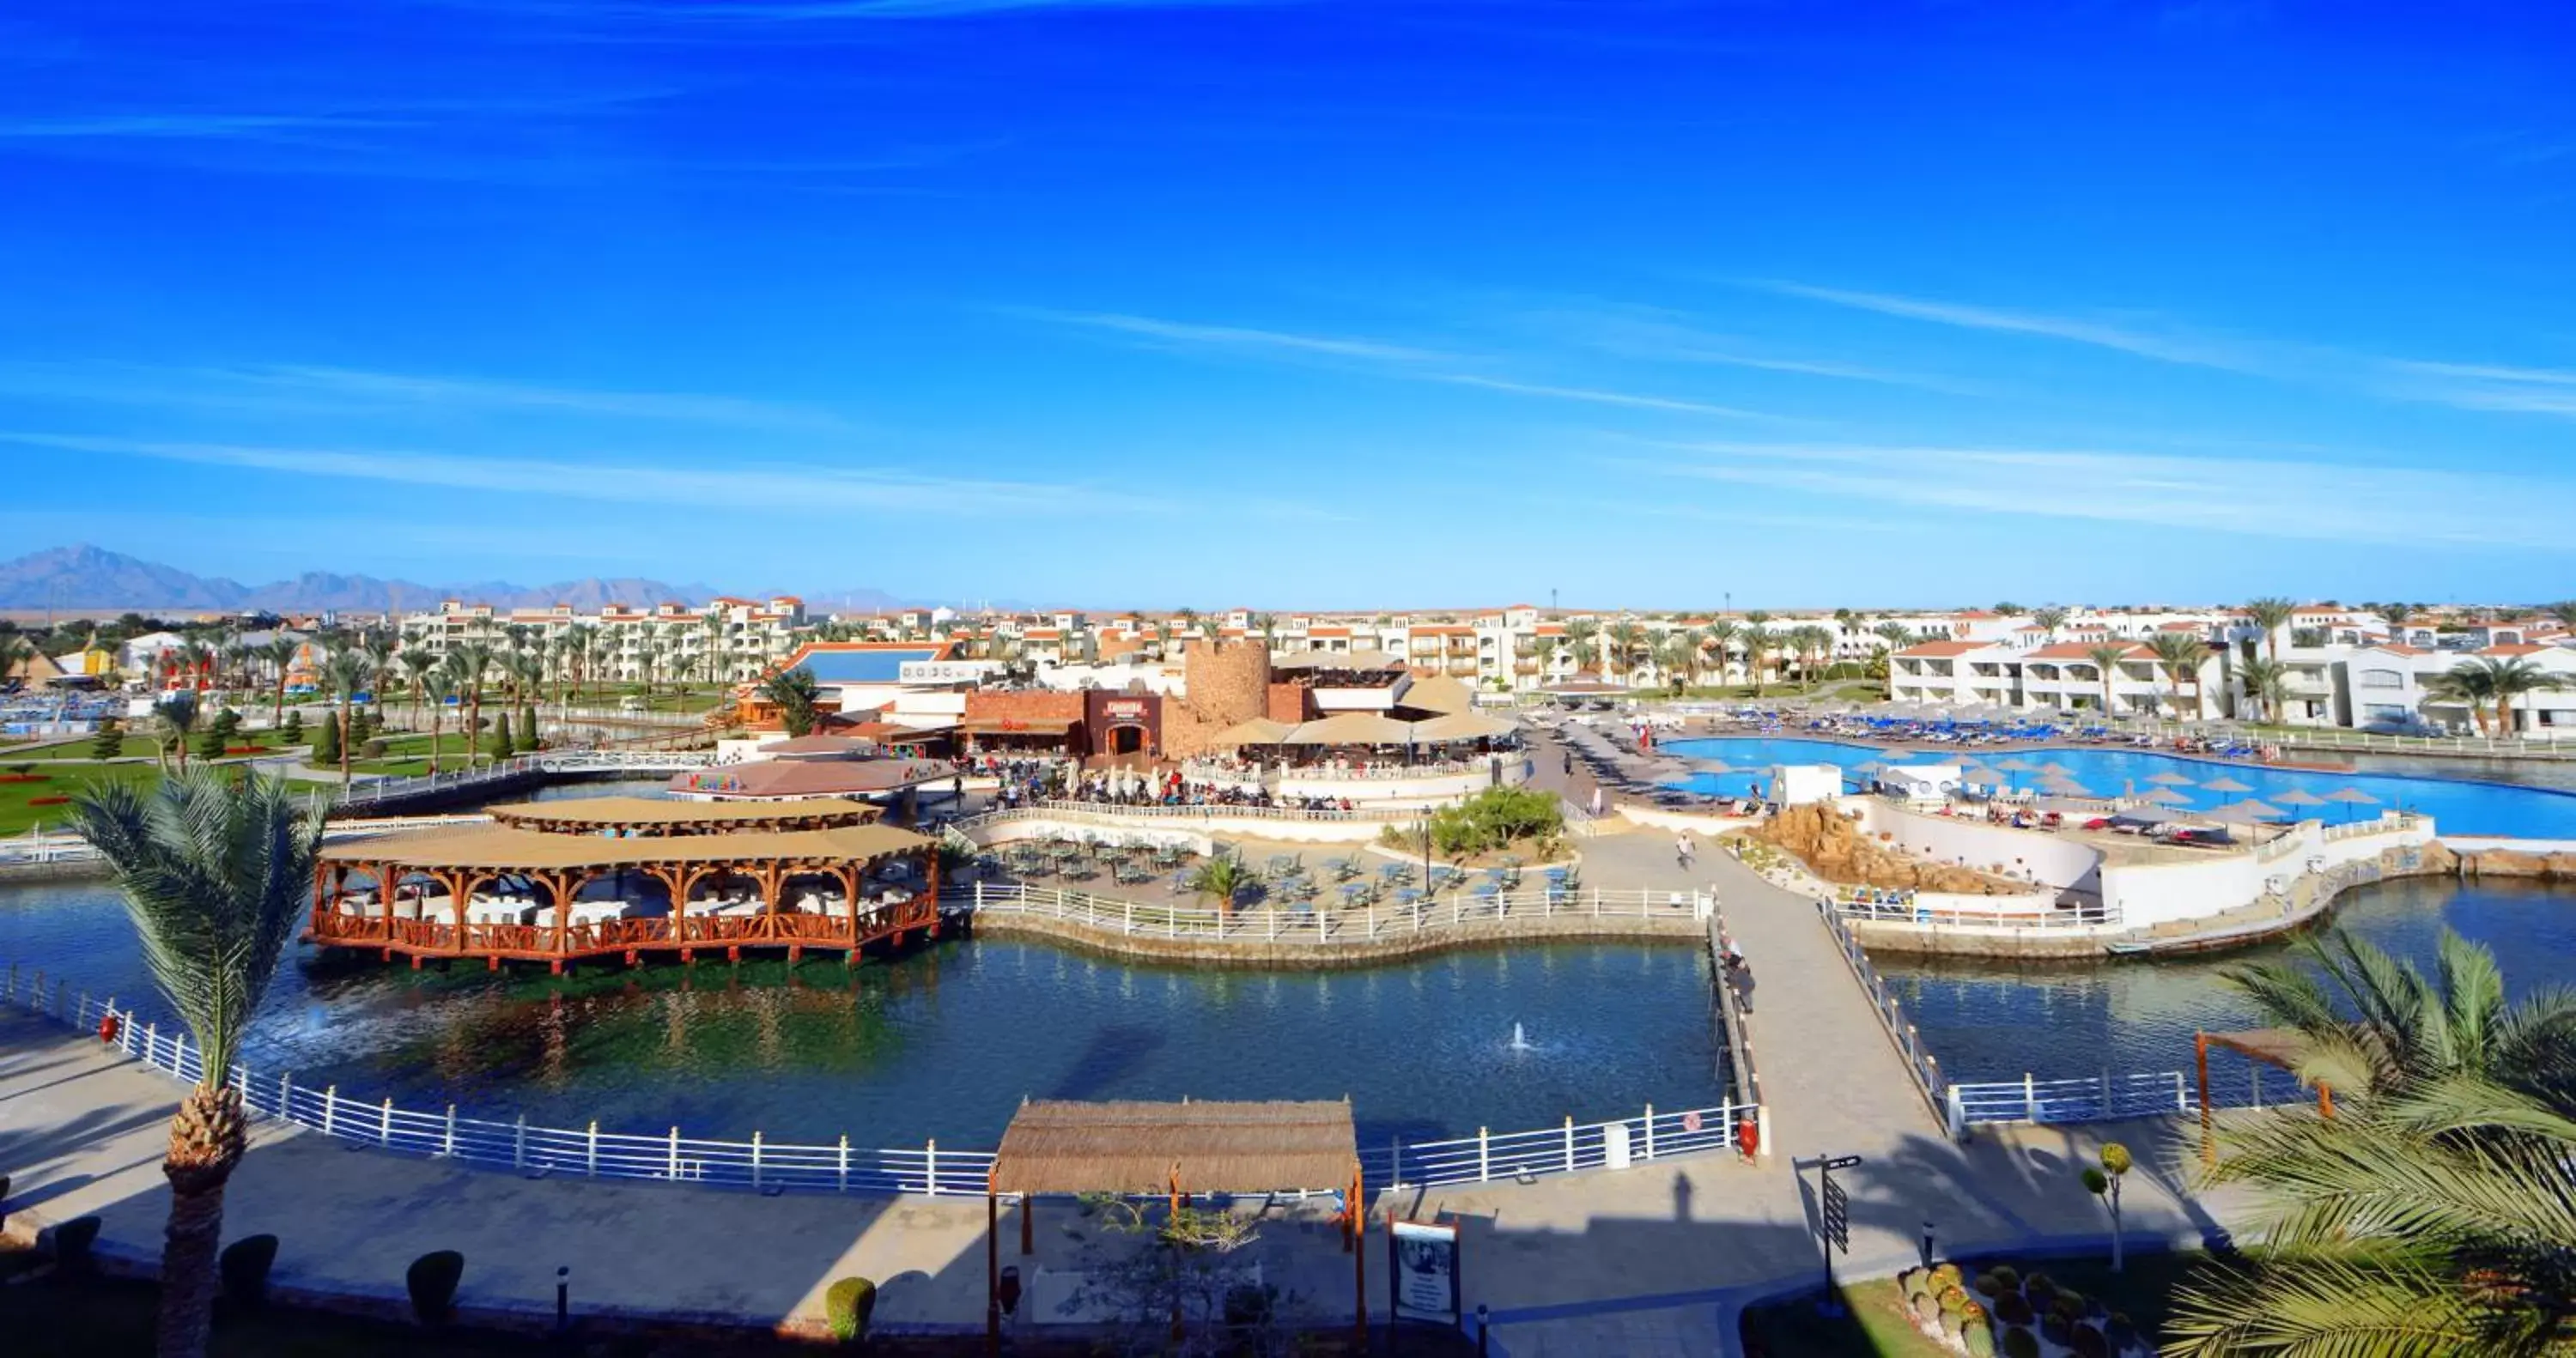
(1991, 1022)
(944, 1041)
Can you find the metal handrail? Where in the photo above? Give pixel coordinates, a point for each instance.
(1329, 927)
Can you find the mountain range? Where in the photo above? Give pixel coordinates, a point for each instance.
(90, 579)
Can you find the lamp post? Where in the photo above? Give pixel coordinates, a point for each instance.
(1484, 1326)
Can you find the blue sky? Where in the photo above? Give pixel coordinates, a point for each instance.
(1338, 303)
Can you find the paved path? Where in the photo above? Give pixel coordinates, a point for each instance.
(1650, 1260)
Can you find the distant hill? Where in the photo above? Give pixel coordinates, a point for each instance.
(92, 578)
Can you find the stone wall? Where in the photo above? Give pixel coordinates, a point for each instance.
(1223, 685)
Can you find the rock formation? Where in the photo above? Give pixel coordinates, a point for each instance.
(1833, 847)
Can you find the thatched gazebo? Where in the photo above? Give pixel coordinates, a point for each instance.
(1177, 1150)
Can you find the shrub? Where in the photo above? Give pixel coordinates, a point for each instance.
(2019, 1344)
(72, 1242)
(2054, 1329)
(1494, 819)
(293, 731)
(2088, 1343)
(109, 742)
(2122, 1331)
(1980, 1342)
(432, 1280)
(2067, 1306)
(1250, 1307)
(2040, 1290)
(2012, 1310)
(846, 1308)
(244, 1266)
(2006, 1275)
(374, 748)
(1988, 1285)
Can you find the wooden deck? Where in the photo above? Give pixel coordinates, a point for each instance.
(627, 940)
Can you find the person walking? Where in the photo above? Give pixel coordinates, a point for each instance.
(1683, 850)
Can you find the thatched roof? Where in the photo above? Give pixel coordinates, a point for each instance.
(1439, 693)
(503, 848)
(1058, 1146)
(675, 817)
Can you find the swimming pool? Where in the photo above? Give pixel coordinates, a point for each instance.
(2457, 806)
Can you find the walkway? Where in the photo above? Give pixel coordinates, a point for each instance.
(1651, 1260)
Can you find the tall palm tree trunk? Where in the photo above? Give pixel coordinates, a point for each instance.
(206, 1142)
(345, 707)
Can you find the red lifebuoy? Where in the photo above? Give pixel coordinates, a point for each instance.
(107, 1023)
(1748, 1138)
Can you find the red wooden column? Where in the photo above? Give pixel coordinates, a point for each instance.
(385, 898)
(455, 883)
(930, 870)
(557, 886)
(849, 874)
(2200, 1054)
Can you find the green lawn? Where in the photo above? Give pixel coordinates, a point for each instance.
(19, 814)
(1874, 1323)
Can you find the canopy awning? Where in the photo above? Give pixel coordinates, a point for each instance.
(1351, 728)
(1064, 1146)
(1258, 731)
(1459, 726)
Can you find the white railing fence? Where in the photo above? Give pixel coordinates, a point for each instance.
(1916, 910)
(1926, 1068)
(2113, 1096)
(769, 1166)
(549, 761)
(1111, 813)
(1327, 925)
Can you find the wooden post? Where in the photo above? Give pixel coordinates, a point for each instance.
(992, 1267)
(1359, 1258)
(2200, 1055)
(2325, 1099)
(1028, 1224)
(930, 870)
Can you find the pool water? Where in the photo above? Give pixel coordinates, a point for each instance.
(2458, 806)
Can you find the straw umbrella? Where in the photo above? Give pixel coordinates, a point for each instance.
(2171, 779)
(2352, 796)
(2014, 766)
(2224, 785)
(2165, 796)
(2295, 797)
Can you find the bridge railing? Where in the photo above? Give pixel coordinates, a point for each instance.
(1326, 926)
(1921, 1063)
(763, 1165)
(2112, 1096)
(1111, 813)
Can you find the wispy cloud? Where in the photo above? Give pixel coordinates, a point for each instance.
(2072, 329)
(1184, 334)
(708, 483)
(307, 389)
(2481, 386)
(2410, 506)
(736, 13)
(1661, 335)
(187, 126)
(1378, 357)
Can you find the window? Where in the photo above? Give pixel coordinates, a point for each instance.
(2383, 679)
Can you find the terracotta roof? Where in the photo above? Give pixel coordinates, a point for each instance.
(1060, 1146)
(2509, 649)
(1933, 650)
(2079, 650)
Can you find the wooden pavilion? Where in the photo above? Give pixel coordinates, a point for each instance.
(1173, 1150)
(426, 891)
(2282, 1047)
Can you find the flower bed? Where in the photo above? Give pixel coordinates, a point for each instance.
(49, 801)
(26, 777)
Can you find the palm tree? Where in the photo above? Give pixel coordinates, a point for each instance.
(2267, 682)
(1895, 634)
(2431, 1213)
(2179, 654)
(467, 663)
(2510, 678)
(2468, 684)
(1677, 656)
(1583, 637)
(793, 693)
(2048, 620)
(15, 650)
(2564, 611)
(2271, 615)
(280, 654)
(417, 665)
(347, 669)
(1721, 635)
(1811, 642)
(1544, 651)
(1223, 876)
(1758, 641)
(2106, 663)
(178, 716)
(2396, 615)
(213, 870)
(436, 685)
(379, 651)
(1626, 640)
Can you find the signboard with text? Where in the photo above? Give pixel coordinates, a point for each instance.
(945, 671)
(1422, 1272)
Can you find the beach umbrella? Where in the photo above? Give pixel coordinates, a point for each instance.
(2252, 807)
(2165, 796)
(2014, 766)
(2352, 796)
(2170, 779)
(2056, 768)
(2294, 797)
(2224, 785)
(1870, 766)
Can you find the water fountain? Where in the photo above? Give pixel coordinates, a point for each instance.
(1519, 1043)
